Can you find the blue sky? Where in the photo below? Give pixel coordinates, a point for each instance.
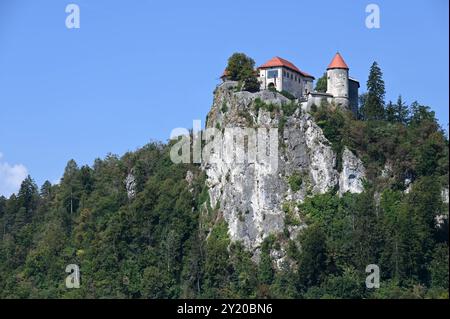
(137, 69)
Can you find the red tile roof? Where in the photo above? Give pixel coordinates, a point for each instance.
(337, 62)
(277, 61)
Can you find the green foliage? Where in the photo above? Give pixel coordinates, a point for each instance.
(390, 112)
(289, 108)
(224, 108)
(266, 271)
(290, 218)
(348, 285)
(373, 107)
(295, 181)
(241, 68)
(333, 124)
(167, 241)
(217, 263)
(321, 85)
(261, 105)
(287, 95)
(439, 267)
(251, 84)
(401, 111)
(313, 257)
(398, 112)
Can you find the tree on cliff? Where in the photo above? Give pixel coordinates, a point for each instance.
(242, 68)
(373, 108)
(321, 85)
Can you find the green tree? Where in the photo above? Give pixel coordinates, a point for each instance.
(27, 199)
(313, 257)
(348, 285)
(390, 112)
(373, 108)
(217, 264)
(71, 187)
(421, 114)
(266, 271)
(242, 68)
(401, 111)
(321, 85)
(439, 267)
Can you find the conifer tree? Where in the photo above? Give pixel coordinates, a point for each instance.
(401, 111)
(390, 112)
(373, 108)
(28, 196)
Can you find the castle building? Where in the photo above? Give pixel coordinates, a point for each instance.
(283, 76)
(342, 90)
(340, 85)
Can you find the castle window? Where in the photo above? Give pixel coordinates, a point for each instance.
(271, 74)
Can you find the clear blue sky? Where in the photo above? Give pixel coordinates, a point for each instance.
(137, 69)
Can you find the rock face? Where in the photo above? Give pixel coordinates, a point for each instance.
(352, 175)
(250, 196)
(130, 184)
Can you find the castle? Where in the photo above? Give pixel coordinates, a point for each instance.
(281, 75)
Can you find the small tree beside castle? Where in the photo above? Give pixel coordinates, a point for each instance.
(241, 68)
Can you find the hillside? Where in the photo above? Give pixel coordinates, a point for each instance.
(347, 193)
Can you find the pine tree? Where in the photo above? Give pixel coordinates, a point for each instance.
(373, 108)
(420, 114)
(401, 111)
(391, 112)
(46, 189)
(313, 257)
(265, 265)
(28, 197)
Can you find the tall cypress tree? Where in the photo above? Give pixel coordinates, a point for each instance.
(373, 108)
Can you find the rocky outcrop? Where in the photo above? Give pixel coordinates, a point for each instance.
(130, 185)
(352, 174)
(251, 196)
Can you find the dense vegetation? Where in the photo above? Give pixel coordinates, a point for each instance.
(321, 84)
(393, 222)
(241, 68)
(165, 241)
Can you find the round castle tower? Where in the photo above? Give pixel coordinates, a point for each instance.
(337, 80)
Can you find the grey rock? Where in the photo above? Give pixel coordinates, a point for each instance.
(249, 196)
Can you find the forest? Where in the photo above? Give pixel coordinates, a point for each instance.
(160, 243)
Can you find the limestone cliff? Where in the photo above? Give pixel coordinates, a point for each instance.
(256, 201)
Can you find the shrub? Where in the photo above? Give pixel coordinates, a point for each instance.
(289, 108)
(224, 108)
(288, 95)
(295, 182)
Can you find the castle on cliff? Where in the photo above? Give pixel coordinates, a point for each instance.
(281, 75)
